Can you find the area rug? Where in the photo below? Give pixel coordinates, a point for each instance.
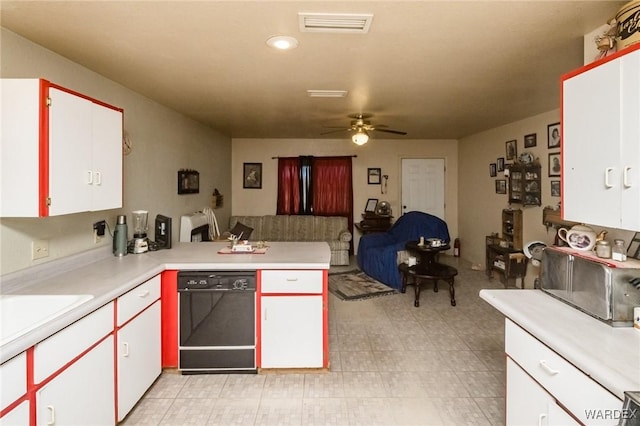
(356, 285)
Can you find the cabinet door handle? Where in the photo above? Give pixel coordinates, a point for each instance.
(541, 418)
(144, 294)
(292, 279)
(52, 415)
(265, 314)
(607, 172)
(125, 350)
(89, 177)
(98, 178)
(548, 369)
(625, 177)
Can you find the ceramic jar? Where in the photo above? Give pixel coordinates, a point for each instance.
(580, 237)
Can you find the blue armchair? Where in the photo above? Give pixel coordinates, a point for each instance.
(377, 253)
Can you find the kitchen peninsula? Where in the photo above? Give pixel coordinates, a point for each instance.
(131, 301)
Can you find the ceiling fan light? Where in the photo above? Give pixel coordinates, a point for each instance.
(360, 137)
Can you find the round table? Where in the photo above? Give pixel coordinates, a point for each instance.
(426, 252)
(427, 270)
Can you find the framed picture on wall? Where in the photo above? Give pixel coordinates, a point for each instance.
(493, 170)
(188, 182)
(252, 175)
(530, 140)
(555, 166)
(500, 164)
(512, 149)
(555, 188)
(501, 186)
(373, 176)
(553, 136)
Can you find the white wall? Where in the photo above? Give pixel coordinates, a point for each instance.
(383, 153)
(163, 142)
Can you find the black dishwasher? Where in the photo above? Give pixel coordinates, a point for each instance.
(216, 330)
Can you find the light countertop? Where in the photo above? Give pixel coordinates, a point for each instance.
(610, 355)
(106, 277)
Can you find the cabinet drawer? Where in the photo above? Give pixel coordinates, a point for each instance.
(57, 350)
(291, 281)
(13, 379)
(134, 301)
(570, 386)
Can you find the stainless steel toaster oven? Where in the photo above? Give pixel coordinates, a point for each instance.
(606, 292)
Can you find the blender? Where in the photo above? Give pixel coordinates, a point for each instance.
(139, 221)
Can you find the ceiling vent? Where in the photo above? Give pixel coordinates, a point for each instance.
(354, 23)
(327, 93)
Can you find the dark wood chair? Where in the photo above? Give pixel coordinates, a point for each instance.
(417, 274)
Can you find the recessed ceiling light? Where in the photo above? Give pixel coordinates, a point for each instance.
(282, 42)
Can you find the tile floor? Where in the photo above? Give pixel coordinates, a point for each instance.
(391, 364)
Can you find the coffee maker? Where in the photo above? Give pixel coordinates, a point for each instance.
(140, 243)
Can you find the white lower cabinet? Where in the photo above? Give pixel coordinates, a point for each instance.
(139, 357)
(83, 393)
(13, 380)
(529, 404)
(291, 332)
(19, 416)
(551, 375)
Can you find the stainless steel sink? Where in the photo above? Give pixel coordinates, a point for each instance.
(22, 313)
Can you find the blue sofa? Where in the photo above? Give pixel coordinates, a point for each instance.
(377, 253)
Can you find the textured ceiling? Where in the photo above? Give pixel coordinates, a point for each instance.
(435, 69)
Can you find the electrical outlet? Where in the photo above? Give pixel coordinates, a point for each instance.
(39, 249)
(98, 231)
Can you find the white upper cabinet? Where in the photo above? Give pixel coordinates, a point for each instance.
(601, 148)
(61, 151)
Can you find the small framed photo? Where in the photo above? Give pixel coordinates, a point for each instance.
(492, 170)
(555, 188)
(188, 182)
(373, 176)
(555, 166)
(553, 136)
(501, 186)
(371, 205)
(252, 175)
(500, 164)
(530, 140)
(512, 149)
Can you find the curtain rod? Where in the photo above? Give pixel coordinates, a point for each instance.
(326, 156)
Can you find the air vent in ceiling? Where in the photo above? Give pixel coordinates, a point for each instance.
(314, 93)
(355, 23)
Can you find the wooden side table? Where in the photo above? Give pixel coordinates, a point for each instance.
(371, 223)
(510, 264)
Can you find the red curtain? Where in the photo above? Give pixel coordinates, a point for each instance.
(333, 187)
(288, 185)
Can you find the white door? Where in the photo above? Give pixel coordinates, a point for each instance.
(291, 332)
(70, 141)
(138, 358)
(423, 185)
(83, 394)
(591, 146)
(107, 158)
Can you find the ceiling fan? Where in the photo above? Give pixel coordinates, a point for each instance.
(361, 127)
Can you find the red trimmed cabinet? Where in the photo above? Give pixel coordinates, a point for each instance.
(291, 319)
(292, 323)
(61, 151)
(600, 150)
(91, 372)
